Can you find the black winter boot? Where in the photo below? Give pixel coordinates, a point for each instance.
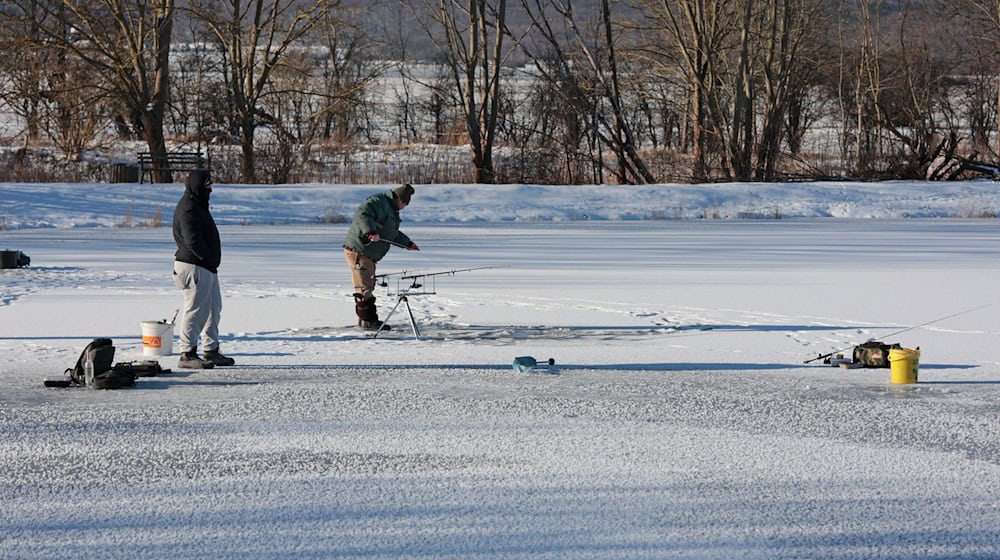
(359, 307)
(368, 315)
(216, 358)
(190, 360)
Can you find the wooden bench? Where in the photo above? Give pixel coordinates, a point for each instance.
(171, 161)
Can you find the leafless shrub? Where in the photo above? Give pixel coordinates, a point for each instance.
(973, 211)
(333, 215)
(127, 220)
(761, 214)
(714, 214)
(48, 166)
(658, 214)
(155, 219)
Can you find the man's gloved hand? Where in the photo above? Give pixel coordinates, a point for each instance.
(373, 237)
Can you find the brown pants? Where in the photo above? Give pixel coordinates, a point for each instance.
(362, 272)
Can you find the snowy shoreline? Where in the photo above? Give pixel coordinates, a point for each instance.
(36, 205)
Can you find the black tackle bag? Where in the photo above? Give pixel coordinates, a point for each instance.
(873, 354)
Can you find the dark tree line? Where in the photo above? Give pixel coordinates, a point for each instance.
(547, 91)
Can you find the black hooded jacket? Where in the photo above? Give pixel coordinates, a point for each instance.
(195, 232)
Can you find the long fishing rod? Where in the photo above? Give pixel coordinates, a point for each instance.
(443, 272)
(414, 277)
(939, 319)
(410, 275)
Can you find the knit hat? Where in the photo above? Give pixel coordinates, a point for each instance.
(404, 193)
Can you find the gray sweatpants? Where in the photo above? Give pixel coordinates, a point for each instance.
(202, 306)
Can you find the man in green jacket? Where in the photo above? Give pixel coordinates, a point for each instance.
(374, 230)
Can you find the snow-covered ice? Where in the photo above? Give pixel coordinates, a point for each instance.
(678, 422)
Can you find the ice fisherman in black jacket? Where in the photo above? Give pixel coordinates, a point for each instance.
(199, 253)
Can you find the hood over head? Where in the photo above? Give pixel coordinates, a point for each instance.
(199, 183)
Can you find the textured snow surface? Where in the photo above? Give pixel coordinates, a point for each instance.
(678, 422)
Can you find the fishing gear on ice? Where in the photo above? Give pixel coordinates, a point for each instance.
(96, 369)
(875, 354)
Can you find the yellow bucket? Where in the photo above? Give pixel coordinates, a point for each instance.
(903, 365)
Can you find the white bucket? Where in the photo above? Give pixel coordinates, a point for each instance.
(157, 338)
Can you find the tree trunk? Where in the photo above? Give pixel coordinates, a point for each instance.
(248, 163)
(778, 66)
(700, 166)
(741, 144)
(152, 115)
(152, 127)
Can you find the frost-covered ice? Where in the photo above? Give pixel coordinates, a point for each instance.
(678, 422)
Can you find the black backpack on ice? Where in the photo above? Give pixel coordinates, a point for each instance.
(102, 352)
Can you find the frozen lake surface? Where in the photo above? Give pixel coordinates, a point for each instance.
(678, 422)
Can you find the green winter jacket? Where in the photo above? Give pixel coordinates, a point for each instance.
(377, 214)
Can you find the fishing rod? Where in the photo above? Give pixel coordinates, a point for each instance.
(404, 276)
(382, 279)
(939, 319)
(390, 242)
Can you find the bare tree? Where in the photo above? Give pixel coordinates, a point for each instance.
(743, 62)
(401, 92)
(901, 113)
(347, 74)
(978, 96)
(693, 35)
(253, 38)
(74, 112)
(585, 71)
(983, 30)
(791, 37)
(320, 93)
(469, 34)
(24, 64)
(633, 168)
(196, 111)
(861, 87)
(125, 45)
(552, 128)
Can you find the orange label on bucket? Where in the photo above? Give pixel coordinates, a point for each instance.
(152, 341)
